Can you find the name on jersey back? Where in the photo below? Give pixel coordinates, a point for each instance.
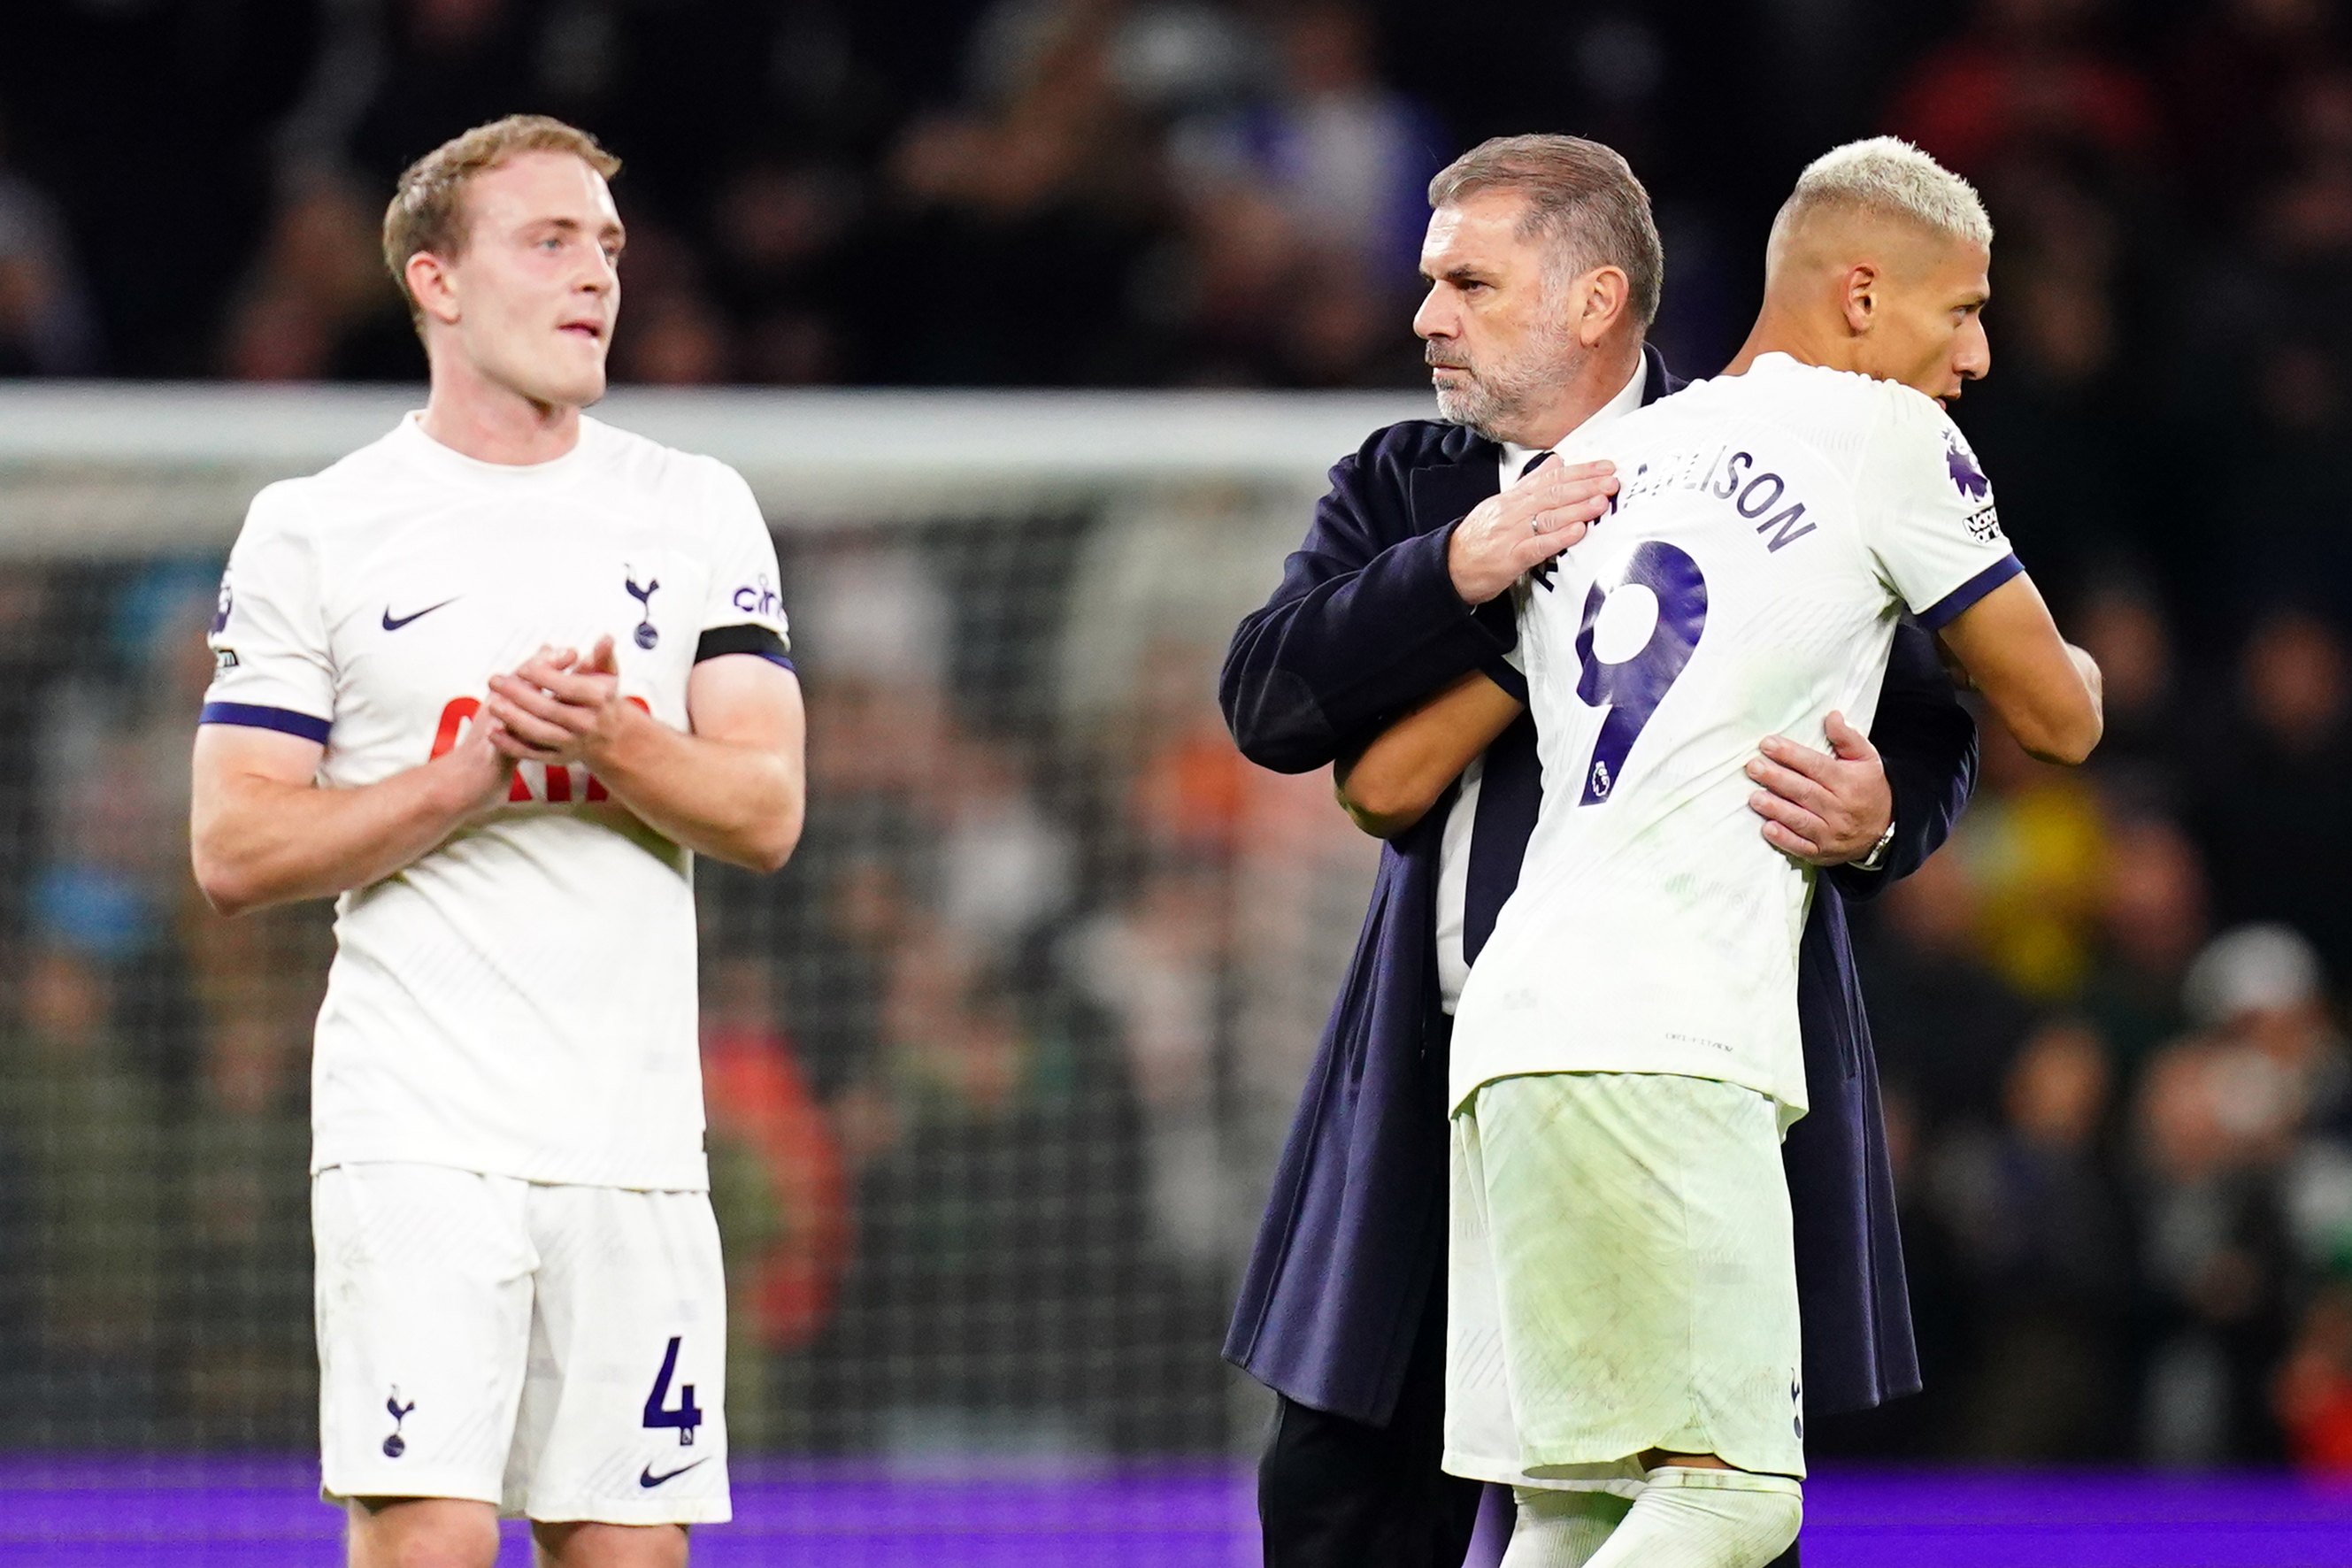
(1763, 498)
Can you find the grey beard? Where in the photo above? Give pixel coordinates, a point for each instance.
(1493, 402)
(1478, 407)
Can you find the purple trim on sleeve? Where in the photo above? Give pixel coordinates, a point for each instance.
(253, 716)
(1946, 610)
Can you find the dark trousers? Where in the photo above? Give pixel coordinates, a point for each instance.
(1337, 1493)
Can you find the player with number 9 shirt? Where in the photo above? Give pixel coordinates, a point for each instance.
(494, 680)
(1626, 1057)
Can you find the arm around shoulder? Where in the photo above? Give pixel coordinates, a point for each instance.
(1364, 623)
(2046, 692)
(1392, 784)
(1934, 532)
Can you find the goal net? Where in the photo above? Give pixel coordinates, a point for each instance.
(995, 1068)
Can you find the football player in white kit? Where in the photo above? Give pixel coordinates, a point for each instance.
(493, 681)
(1622, 1296)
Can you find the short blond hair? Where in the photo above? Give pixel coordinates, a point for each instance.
(429, 207)
(1888, 176)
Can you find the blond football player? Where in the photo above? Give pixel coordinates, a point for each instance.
(493, 682)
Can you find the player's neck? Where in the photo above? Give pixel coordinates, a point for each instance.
(472, 415)
(1778, 331)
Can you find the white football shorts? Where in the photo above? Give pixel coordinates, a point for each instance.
(559, 1351)
(1622, 1278)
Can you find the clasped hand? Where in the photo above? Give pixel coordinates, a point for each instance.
(557, 710)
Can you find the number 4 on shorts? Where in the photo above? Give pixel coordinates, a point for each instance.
(688, 1414)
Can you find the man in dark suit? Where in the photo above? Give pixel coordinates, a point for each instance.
(1534, 328)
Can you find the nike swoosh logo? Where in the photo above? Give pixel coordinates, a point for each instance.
(645, 1477)
(391, 624)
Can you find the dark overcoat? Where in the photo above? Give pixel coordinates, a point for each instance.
(1366, 623)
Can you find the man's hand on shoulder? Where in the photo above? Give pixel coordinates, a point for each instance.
(1527, 525)
(555, 709)
(1826, 809)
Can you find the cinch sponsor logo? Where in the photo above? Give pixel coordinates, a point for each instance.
(556, 783)
(760, 600)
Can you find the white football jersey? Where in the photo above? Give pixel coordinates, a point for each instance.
(1769, 529)
(519, 1001)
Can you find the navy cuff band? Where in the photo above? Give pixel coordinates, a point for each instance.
(253, 716)
(1947, 609)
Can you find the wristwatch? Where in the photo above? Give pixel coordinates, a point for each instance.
(1877, 855)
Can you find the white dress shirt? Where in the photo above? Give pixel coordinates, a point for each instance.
(1453, 847)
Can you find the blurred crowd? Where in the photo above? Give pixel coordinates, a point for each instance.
(153, 1060)
(2109, 1013)
(1021, 193)
(982, 1138)
(997, 1066)
(2117, 1088)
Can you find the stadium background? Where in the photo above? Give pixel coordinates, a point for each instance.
(999, 1062)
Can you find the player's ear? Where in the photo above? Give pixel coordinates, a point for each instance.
(1601, 296)
(1860, 291)
(430, 284)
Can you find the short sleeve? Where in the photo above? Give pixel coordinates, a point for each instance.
(745, 613)
(270, 664)
(1928, 514)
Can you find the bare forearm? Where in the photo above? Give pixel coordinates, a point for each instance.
(258, 841)
(2045, 691)
(1396, 780)
(2057, 716)
(738, 803)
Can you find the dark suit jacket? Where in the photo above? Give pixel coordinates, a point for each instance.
(1365, 623)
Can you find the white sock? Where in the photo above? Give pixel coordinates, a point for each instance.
(1560, 1528)
(1688, 1518)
